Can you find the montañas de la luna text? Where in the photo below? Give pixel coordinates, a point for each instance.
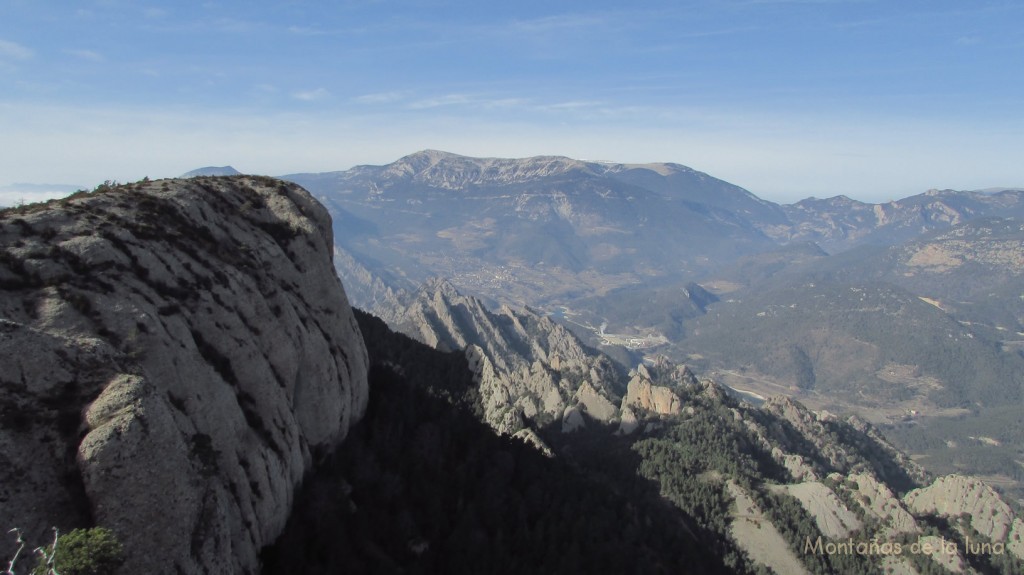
(926, 546)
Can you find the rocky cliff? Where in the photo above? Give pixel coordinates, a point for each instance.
(528, 367)
(176, 355)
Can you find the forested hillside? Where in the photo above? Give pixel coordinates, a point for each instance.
(423, 486)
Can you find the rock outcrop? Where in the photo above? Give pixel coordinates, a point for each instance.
(880, 502)
(827, 443)
(530, 370)
(954, 496)
(754, 532)
(176, 355)
(834, 519)
(643, 394)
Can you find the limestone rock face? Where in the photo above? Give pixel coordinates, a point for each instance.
(594, 403)
(572, 420)
(176, 354)
(530, 369)
(864, 451)
(643, 394)
(832, 516)
(629, 422)
(657, 391)
(880, 502)
(954, 495)
(756, 534)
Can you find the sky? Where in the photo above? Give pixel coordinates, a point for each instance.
(876, 100)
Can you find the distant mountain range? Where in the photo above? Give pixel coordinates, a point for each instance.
(895, 310)
(840, 223)
(547, 230)
(561, 228)
(602, 238)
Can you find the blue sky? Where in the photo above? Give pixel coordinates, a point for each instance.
(787, 98)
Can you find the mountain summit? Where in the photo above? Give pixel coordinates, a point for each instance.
(567, 228)
(452, 171)
(212, 171)
(555, 223)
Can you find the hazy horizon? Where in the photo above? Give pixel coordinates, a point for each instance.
(24, 193)
(786, 98)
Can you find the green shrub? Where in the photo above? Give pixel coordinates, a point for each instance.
(94, 551)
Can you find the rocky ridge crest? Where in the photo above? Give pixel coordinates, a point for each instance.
(839, 223)
(528, 367)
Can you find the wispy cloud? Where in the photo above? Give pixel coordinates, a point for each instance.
(440, 101)
(90, 55)
(313, 31)
(727, 31)
(489, 104)
(572, 105)
(305, 31)
(475, 101)
(381, 97)
(863, 23)
(236, 26)
(560, 22)
(12, 51)
(211, 25)
(312, 95)
(498, 103)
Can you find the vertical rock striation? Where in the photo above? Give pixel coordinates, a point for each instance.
(176, 355)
